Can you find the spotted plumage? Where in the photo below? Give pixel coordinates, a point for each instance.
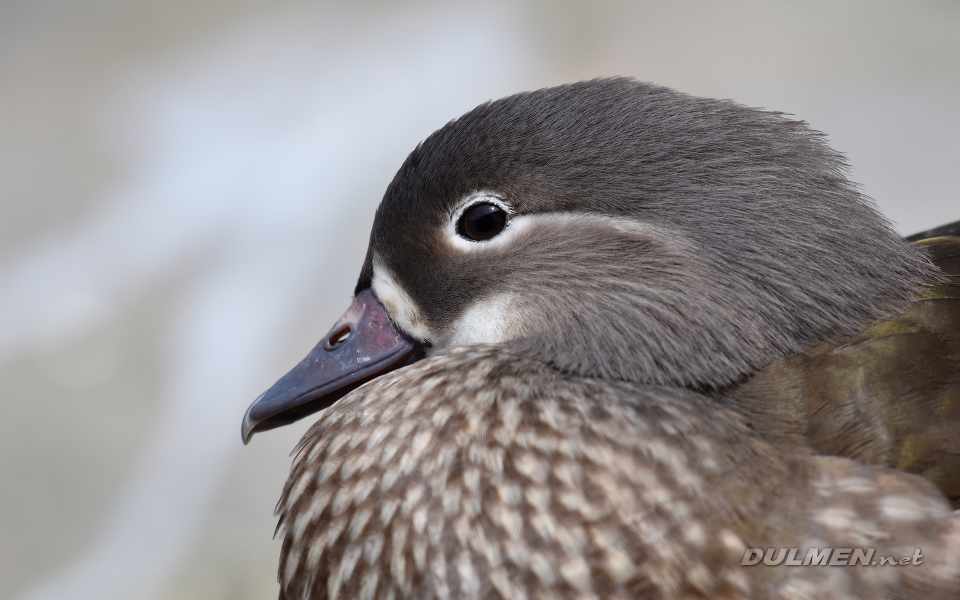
(480, 473)
(641, 333)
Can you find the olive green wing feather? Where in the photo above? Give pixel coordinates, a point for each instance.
(890, 396)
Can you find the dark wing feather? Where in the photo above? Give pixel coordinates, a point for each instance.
(890, 396)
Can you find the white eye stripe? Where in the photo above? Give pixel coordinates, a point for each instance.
(515, 227)
(500, 313)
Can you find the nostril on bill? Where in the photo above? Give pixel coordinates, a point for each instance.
(337, 338)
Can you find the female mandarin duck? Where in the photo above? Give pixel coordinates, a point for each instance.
(641, 333)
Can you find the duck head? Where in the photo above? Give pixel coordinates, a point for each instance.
(612, 229)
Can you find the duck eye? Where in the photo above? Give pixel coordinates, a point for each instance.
(482, 222)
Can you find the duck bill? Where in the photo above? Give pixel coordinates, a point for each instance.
(363, 344)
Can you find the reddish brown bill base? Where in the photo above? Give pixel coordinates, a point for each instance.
(363, 344)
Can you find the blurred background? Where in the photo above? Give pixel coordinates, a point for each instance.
(186, 190)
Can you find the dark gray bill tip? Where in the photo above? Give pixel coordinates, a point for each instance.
(362, 345)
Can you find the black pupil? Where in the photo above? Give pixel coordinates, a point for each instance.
(482, 222)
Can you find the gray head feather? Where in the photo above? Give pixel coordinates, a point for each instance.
(721, 237)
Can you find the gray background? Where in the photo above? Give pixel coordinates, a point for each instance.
(186, 189)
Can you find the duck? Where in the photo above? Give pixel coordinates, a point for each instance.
(610, 340)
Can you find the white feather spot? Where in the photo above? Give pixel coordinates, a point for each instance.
(469, 582)
(903, 509)
(543, 569)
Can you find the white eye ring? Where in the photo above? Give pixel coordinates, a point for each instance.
(474, 200)
(480, 198)
(516, 224)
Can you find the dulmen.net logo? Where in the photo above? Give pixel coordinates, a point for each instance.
(831, 557)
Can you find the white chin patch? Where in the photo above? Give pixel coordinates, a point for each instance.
(487, 321)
